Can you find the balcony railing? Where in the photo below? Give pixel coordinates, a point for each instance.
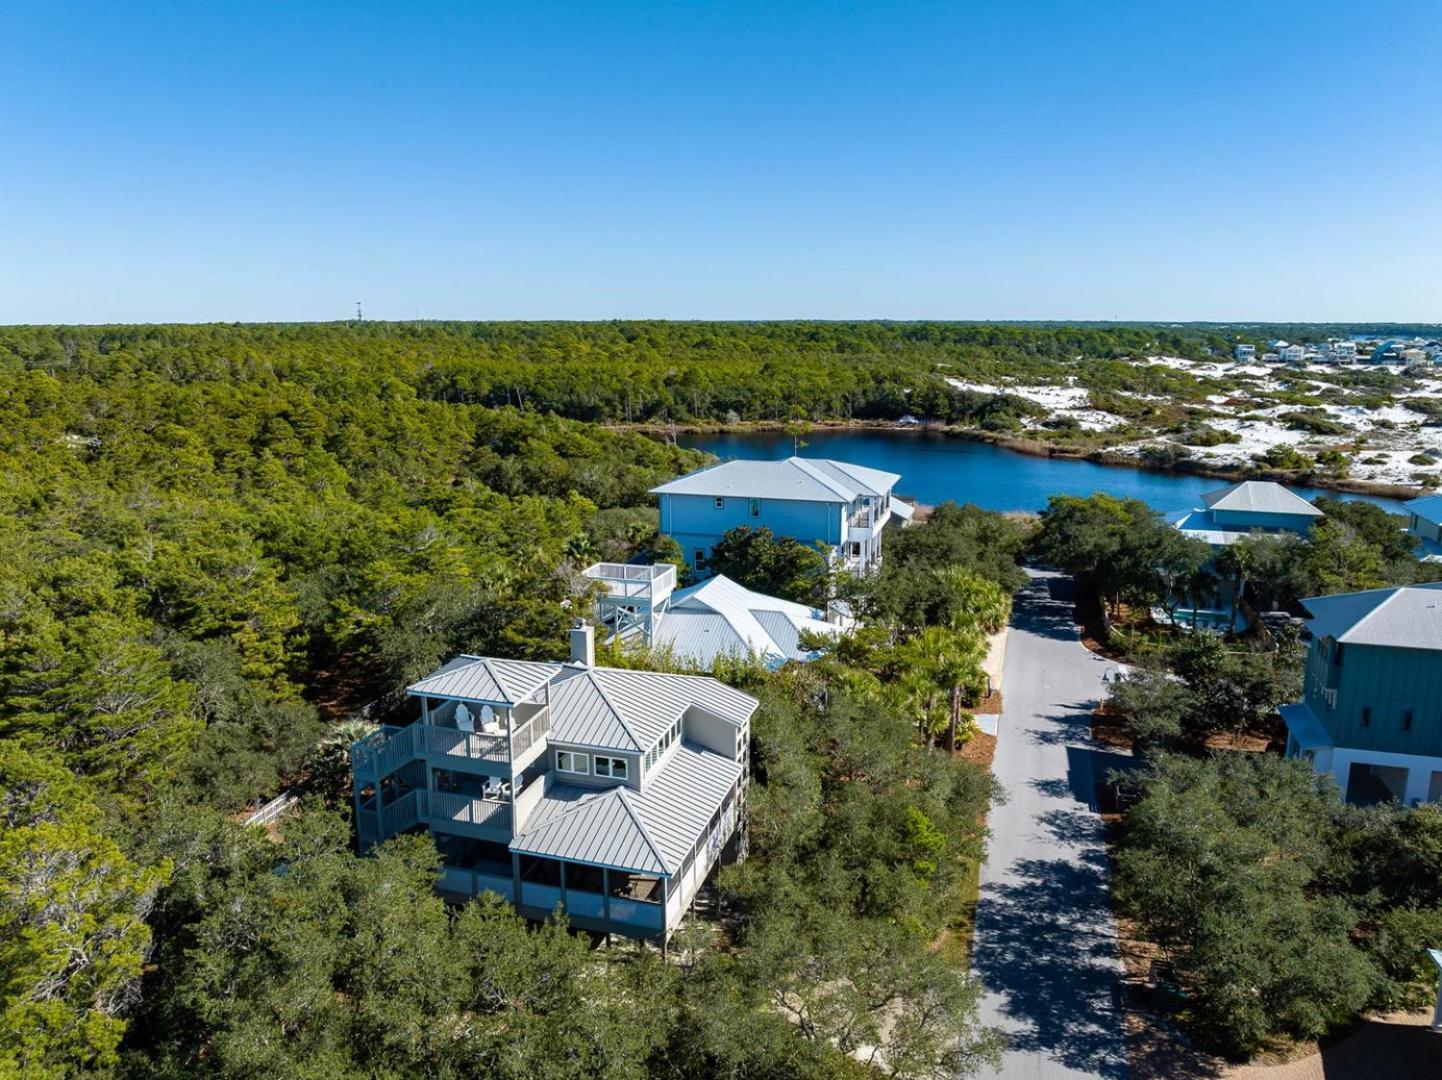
(382, 752)
(473, 746)
(468, 814)
(479, 746)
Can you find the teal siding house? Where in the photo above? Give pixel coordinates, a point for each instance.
(1424, 521)
(610, 794)
(839, 506)
(1371, 712)
(1231, 513)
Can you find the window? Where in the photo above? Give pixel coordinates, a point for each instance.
(1366, 716)
(568, 761)
(700, 558)
(1407, 720)
(611, 766)
(720, 503)
(755, 507)
(1336, 654)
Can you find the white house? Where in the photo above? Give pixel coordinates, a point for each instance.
(1244, 354)
(704, 622)
(609, 794)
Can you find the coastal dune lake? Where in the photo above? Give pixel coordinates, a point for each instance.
(935, 467)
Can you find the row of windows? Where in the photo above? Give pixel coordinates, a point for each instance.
(753, 504)
(572, 762)
(663, 744)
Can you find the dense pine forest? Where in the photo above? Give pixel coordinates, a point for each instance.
(223, 544)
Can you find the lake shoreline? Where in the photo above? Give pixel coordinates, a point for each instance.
(1041, 449)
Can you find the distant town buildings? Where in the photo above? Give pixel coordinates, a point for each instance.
(1411, 353)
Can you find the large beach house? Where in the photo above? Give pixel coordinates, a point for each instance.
(1371, 711)
(1228, 514)
(840, 506)
(608, 793)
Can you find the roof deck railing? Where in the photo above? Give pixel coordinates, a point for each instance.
(654, 581)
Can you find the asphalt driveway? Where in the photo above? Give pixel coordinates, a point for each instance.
(1045, 947)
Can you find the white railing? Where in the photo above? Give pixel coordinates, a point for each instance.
(534, 729)
(471, 745)
(623, 579)
(405, 813)
(273, 809)
(449, 809)
(384, 751)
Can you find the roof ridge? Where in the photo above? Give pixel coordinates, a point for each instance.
(830, 483)
(620, 719)
(624, 794)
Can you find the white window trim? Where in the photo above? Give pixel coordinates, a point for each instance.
(617, 768)
(574, 757)
(720, 502)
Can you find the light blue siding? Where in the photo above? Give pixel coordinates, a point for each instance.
(1252, 519)
(697, 523)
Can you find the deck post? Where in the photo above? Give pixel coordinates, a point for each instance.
(606, 899)
(516, 880)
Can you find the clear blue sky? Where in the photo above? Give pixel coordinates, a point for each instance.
(1199, 160)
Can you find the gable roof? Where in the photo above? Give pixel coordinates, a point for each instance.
(480, 678)
(649, 832)
(795, 478)
(1403, 618)
(1428, 507)
(1259, 497)
(720, 616)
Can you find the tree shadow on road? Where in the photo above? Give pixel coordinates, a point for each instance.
(1044, 941)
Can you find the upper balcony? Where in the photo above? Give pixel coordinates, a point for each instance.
(454, 738)
(651, 584)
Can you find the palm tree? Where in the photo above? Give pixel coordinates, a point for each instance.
(936, 664)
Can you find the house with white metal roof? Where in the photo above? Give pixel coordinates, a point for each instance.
(1371, 710)
(700, 624)
(840, 507)
(1231, 513)
(610, 794)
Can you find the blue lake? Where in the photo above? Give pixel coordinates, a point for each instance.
(935, 467)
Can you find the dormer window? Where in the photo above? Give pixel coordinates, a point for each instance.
(568, 761)
(614, 767)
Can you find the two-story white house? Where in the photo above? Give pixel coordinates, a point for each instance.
(608, 793)
(1244, 354)
(841, 507)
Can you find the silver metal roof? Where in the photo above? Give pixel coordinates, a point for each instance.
(479, 678)
(721, 617)
(797, 479)
(598, 707)
(650, 831)
(1260, 497)
(1404, 618)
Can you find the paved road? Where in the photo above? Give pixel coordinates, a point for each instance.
(1045, 947)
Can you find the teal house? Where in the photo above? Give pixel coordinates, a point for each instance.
(1371, 711)
(841, 507)
(1228, 514)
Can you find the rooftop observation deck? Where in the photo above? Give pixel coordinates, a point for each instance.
(644, 584)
